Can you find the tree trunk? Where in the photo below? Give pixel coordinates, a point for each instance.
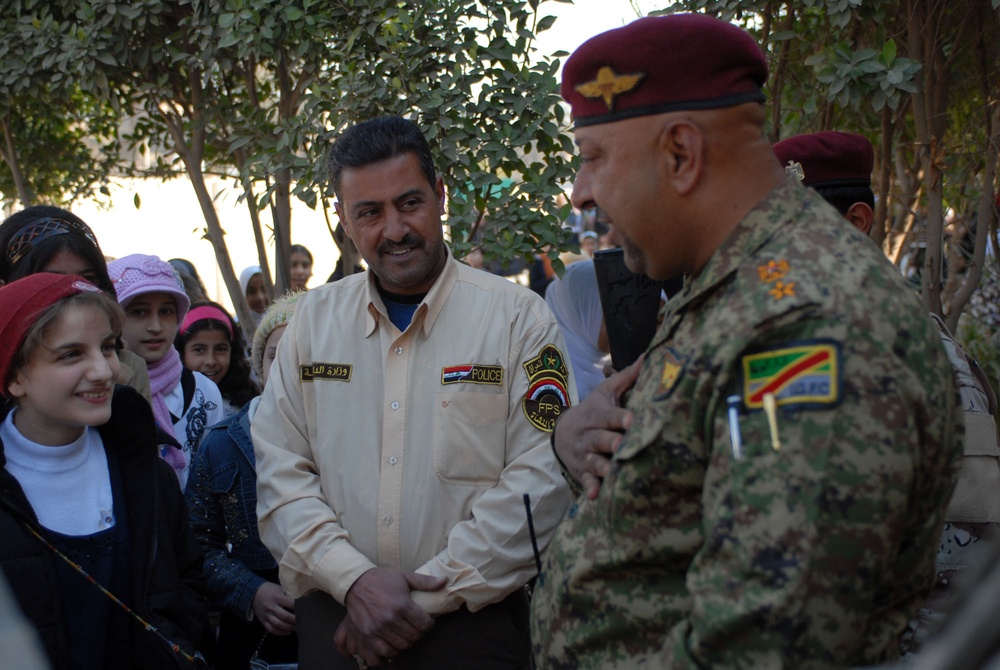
(880, 223)
(921, 38)
(986, 220)
(282, 216)
(10, 157)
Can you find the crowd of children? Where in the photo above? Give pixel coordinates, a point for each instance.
(121, 395)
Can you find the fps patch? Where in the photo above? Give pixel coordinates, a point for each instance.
(547, 393)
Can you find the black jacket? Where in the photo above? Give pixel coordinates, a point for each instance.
(165, 560)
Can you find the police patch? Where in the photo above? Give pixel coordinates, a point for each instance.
(673, 367)
(546, 396)
(340, 372)
(803, 374)
(473, 374)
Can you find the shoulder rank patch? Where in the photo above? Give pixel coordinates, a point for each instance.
(772, 271)
(673, 367)
(339, 372)
(546, 396)
(473, 374)
(782, 290)
(801, 374)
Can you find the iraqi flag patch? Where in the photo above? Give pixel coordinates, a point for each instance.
(804, 374)
(547, 395)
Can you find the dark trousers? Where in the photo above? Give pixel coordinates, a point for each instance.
(493, 638)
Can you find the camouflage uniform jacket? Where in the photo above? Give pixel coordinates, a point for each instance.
(812, 555)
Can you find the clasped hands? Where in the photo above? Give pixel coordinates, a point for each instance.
(382, 619)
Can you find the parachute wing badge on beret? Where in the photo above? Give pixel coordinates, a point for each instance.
(546, 396)
(803, 374)
(608, 85)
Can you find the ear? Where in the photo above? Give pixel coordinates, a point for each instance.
(860, 215)
(682, 148)
(16, 388)
(439, 194)
(343, 219)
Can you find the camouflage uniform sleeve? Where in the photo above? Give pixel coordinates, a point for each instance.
(820, 544)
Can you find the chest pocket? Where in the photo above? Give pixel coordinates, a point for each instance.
(470, 432)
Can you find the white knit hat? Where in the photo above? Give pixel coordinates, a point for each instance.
(278, 314)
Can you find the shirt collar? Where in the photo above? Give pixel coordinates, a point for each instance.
(430, 306)
(756, 228)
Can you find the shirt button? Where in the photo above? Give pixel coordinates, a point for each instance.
(392, 460)
(399, 350)
(387, 520)
(394, 405)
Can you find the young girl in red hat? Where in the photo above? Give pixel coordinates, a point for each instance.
(87, 509)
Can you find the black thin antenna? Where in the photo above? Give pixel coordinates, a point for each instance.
(531, 531)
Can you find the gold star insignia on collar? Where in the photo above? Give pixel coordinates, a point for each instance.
(794, 168)
(773, 271)
(608, 85)
(782, 290)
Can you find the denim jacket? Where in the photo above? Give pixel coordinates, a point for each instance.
(222, 497)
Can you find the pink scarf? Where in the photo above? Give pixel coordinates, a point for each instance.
(164, 376)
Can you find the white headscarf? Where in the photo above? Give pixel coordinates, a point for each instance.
(245, 277)
(577, 306)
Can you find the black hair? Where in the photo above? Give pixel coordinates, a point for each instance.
(236, 386)
(376, 141)
(299, 249)
(843, 197)
(189, 276)
(77, 237)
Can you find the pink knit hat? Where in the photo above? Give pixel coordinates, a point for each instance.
(139, 274)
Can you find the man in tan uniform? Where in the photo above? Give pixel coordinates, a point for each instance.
(407, 415)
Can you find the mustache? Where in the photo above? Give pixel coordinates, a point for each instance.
(600, 216)
(409, 241)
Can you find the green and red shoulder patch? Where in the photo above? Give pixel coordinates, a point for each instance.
(806, 374)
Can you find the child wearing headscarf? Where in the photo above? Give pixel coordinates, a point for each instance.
(185, 403)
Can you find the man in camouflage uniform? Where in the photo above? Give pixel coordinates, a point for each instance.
(790, 442)
(839, 165)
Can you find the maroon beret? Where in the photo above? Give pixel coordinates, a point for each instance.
(663, 64)
(829, 158)
(22, 302)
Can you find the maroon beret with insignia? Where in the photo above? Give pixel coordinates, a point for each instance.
(829, 158)
(663, 64)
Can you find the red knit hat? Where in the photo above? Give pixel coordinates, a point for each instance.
(829, 158)
(22, 302)
(663, 64)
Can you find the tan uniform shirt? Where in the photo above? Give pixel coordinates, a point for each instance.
(413, 450)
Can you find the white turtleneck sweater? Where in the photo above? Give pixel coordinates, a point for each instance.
(69, 487)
